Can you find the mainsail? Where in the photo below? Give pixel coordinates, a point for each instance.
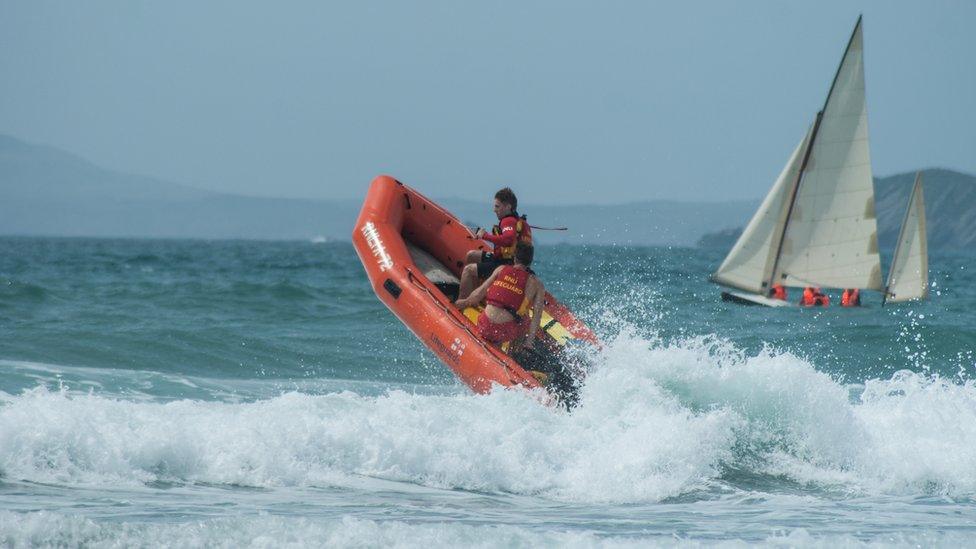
(817, 224)
(832, 236)
(909, 275)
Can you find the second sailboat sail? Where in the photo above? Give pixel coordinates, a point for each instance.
(908, 278)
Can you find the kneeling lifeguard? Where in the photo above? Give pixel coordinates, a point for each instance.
(510, 293)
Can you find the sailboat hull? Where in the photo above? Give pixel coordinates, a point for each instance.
(743, 298)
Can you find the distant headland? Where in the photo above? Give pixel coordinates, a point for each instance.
(50, 192)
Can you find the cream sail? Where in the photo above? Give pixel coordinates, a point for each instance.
(750, 263)
(817, 226)
(832, 237)
(908, 277)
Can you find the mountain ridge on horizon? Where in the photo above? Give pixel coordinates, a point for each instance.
(8, 143)
(950, 211)
(52, 192)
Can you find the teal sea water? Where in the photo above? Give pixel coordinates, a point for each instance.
(237, 393)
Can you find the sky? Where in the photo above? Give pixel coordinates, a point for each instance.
(567, 102)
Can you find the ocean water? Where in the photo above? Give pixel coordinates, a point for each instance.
(257, 394)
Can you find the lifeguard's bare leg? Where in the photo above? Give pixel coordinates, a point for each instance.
(469, 279)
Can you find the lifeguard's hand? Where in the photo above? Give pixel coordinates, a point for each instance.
(460, 304)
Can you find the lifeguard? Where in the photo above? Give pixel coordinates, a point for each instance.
(510, 230)
(509, 294)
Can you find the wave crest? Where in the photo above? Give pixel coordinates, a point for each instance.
(658, 420)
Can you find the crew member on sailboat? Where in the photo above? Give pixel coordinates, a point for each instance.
(851, 298)
(813, 297)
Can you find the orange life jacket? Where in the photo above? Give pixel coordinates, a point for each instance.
(851, 298)
(807, 299)
(778, 292)
(523, 233)
(812, 297)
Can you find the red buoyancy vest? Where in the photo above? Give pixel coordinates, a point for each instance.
(850, 298)
(813, 298)
(508, 289)
(807, 299)
(778, 292)
(523, 233)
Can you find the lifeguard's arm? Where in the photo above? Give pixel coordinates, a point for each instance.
(478, 294)
(538, 304)
(508, 236)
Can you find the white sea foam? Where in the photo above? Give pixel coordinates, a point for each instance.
(657, 420)
(506, 442)
(46, 529)
(53, 529)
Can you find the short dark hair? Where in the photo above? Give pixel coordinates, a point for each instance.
(524, 252)
(508, 197)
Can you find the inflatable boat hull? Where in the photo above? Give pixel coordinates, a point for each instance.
(396, 220)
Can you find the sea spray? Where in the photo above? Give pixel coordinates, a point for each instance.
(921, 433)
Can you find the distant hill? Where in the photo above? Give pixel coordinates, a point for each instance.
(950, 207)
(637, 223)
(47, 191)
(215, 216)
(720, 239)
(950, 211)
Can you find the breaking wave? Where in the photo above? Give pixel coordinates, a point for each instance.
(659, 420)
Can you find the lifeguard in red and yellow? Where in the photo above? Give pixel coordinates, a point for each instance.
(510, 293)
(510, 230)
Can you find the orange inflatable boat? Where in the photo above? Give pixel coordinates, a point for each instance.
(413, 251)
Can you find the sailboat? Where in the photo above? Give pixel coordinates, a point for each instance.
(817, 225)
(908, 277)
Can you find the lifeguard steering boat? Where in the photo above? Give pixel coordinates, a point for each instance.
(413, 251)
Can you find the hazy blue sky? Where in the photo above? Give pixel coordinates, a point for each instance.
(565, 101)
